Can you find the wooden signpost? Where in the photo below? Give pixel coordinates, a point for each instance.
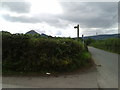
(77, 30)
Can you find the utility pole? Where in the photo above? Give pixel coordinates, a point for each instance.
(77, 30)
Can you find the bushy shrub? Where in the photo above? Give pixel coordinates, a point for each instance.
(25, 53)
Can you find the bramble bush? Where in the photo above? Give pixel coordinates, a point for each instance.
(26, 53)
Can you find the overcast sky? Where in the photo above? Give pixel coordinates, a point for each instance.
(59, 18)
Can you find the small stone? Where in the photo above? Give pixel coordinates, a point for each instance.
(48, 73)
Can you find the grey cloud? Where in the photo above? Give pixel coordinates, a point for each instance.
(26, 19)
(91, 15)
(51, 20)
(23, 19)
(19, 7)
(88, 15)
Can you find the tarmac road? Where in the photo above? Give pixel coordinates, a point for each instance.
(86, 79)
(107, 66)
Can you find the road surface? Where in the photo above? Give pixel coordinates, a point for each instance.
(107, 66)
(77, 80)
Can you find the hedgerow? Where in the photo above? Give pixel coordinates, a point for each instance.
(111, 44)
(26, 53)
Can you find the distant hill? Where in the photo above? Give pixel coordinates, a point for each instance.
(44, 35)
(105, 36)
(32, 32)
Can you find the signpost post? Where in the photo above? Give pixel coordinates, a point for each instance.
(83, 38)
(77, 30)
